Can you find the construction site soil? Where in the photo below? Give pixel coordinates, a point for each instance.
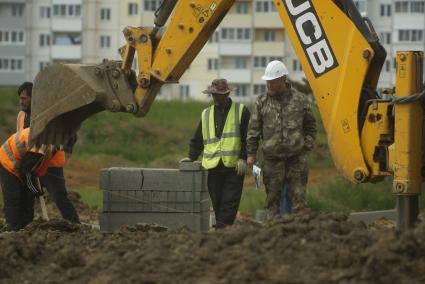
(303, 248)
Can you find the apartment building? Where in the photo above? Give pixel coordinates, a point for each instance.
(400, 25)
(88, 31)
(13, 38)
(34, 33)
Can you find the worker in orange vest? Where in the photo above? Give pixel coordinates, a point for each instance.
(19, 168)
(54, 179)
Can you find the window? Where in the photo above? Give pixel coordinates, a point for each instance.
(403, 35)
(401, 6)
(77, 10)
(184, 91)
(387, 66)
(44, 40)
(152, 5)
(42, 65)
(264, 6)
(236, 33)
(361, 6)
(242, 8)
(132, 9)
(67, 39)
(385, 38)
(212, 63)
(17, 10)
(296, 66)
(410, 35)
(417, 6)
(105, 41)
(12, 64)
(63, 10)
(260, 89)
(12, 37)
(214, 38)
(105, 14)
(241, 90)
(269, 36)
(262, 61)
(241, 63)
(44, 12)
(385, 10)
(416, 35)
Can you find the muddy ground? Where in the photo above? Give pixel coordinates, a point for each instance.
(305, 248)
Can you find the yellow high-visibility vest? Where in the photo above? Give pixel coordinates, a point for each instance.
(228, 147)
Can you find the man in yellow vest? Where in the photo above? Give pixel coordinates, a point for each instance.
(221, 138)
(54, 179)
(19, 168)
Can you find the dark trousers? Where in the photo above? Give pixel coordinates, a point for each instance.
(54, 181)
(18, 201)
(225, 188)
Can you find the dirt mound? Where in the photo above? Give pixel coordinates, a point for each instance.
(306, 248)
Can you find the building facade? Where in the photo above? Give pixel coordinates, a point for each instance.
(35, 33)
(13, 40)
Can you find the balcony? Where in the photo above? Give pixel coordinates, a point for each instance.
(269, 48)
(66, 52)
(237, 20)
(236, 76)
(66, 24)
(235, 48)
(267, 20)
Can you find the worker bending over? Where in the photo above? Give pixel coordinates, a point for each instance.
(54, 179)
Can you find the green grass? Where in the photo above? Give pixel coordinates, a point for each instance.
(341, 195)
(90, 196)
(158, 140)
(163, 135)
(252, 200)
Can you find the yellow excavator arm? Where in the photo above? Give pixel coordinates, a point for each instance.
(369, 137)
(342, 66)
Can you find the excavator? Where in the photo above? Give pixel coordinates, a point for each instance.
(371, 136)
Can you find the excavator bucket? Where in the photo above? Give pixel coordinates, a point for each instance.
(77, 92)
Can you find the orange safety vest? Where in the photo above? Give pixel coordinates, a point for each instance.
(15, 148)
(58, 160)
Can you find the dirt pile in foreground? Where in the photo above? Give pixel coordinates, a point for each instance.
(307, 248)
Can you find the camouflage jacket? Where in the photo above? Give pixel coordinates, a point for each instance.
(285, 123)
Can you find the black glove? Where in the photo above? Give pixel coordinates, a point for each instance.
(33, 185)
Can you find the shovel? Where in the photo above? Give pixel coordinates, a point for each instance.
(42, 204)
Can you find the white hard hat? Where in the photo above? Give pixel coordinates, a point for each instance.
(274, 70)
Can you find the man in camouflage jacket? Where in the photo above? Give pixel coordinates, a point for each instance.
(283, 119)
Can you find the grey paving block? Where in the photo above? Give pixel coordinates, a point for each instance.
(152, 179)
(154, 190)
(371, 216)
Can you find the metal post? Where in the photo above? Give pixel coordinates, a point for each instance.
(406, 155)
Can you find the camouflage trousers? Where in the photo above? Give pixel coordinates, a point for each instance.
(292, 173)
